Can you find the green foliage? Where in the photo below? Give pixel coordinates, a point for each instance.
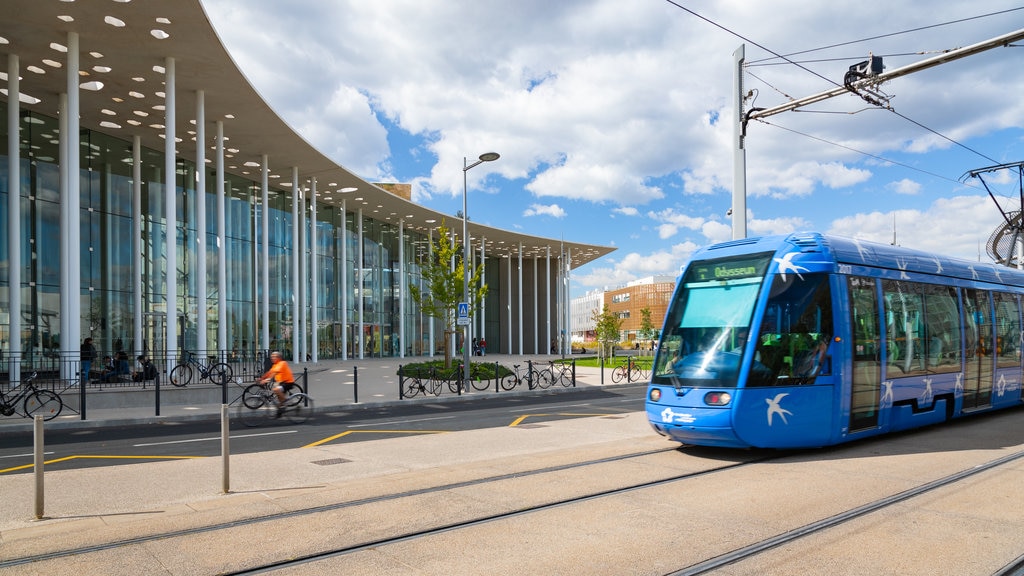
(442, 287)
(647, 329)
(607, 329)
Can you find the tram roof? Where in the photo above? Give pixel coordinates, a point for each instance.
(129, 58)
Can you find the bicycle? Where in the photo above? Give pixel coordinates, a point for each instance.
(259, 403)
(557, 373)
(415, 385)
(517, 376)
(34, 401)
(630, 371)
(181, 375)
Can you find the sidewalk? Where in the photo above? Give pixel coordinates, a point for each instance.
(353, 383)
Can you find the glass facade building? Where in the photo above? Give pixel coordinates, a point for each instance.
(115, 236)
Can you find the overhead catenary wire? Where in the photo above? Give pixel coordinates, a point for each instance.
(833, 82)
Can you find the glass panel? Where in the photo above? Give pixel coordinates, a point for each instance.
(795, 333)
(866, 385)
(708, 323)
(1008, 335)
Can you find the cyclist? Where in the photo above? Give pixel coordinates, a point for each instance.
(282, 374)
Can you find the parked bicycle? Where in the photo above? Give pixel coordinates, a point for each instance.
(425, 382)
(556, 373)
(32, 401)
(518, 376)
(258, 404)
(630, 371)
(217, 372)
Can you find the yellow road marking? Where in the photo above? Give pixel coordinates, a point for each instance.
(98, 457)
(519, 420)
(347, 432)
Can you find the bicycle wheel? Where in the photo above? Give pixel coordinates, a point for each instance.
(44, 403)
(433, 387)
(298, 408)
(258, 410)
(565, 377)
(412, 387)
(618, 373)
(220, 373)
(181, 375)
(543, 379)
(509, 382)
(254, 396)
(477, 380)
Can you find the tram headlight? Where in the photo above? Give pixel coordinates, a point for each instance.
(654, 395)
(717, 398)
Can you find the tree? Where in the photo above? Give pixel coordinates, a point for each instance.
(442, 287)
(607, 328)
(647, 329)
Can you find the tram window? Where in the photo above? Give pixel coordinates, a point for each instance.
(1008, 334)
(941, 328)
(921, 328)
(796, 329)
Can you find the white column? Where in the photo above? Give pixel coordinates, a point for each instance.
(303, 276)
(170, 212)
(359, 282)
(137, 244)
(314, 274)
(402, 289)
(536, 310)
(14, 215)
(71, 293)
(222, 264)
(547, 297)
(520, 297)
(508, 291)
(296, 256)
(344, 282)
(68, 341)
(201, 279)
(265, 257)
(566, 349)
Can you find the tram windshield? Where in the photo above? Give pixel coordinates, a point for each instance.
(709, 321)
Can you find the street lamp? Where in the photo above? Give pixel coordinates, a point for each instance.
(485, 157)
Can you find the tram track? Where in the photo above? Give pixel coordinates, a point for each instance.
(268, 518)
(1014, 568)
(525, 511)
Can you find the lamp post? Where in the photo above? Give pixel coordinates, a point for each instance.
(485, 157)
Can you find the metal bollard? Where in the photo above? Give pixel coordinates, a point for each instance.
(156, 384)
(573, 372)
(38, 459)
(529, 374)
(496, 378)
(401, 383)
(81, 398)
(225, 448)
(355, 384)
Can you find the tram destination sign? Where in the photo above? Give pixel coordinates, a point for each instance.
(729, 268)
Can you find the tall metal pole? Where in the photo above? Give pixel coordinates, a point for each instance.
(739, 161)
(485, 157)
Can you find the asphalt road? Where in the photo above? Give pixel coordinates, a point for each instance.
(90, 447)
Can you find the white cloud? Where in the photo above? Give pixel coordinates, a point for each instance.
(905, 186)
(957, 226)
(626, 211)
(542, 210)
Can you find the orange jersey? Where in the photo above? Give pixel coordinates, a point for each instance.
(280, 372)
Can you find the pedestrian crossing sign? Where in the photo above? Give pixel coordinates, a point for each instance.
(463, 316)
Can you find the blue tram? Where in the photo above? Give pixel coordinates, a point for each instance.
(809, 340)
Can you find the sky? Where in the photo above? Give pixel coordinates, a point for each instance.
(614, 118)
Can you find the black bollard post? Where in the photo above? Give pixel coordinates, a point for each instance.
(401, 383)
(529, 374)
(573, 372)
(355, 384)
(305, 380)
(81, 397)
(495, 376)
(156, 384)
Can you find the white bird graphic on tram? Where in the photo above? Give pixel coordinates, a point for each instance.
(774, 408)
(786, 265)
